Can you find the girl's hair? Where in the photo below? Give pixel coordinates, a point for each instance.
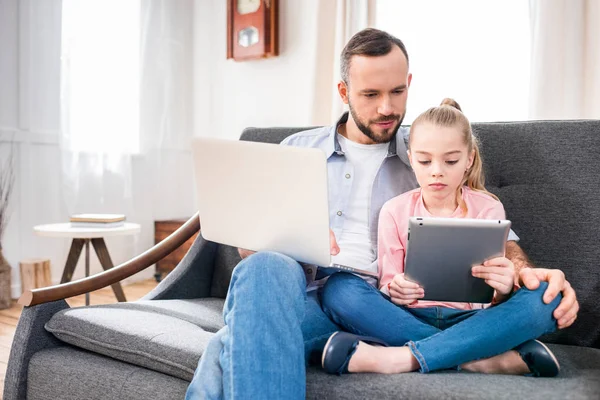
(449, 114)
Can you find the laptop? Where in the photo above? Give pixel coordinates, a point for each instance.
(441, 251)
(265, 197)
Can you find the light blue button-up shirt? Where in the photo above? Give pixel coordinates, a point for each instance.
(394, 177)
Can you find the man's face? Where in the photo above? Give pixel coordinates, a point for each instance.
(376, 94)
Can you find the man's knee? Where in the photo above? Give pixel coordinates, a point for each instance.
(270, 267)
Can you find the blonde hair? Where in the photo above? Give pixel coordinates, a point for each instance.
(449, 114)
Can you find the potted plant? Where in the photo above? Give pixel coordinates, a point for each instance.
(7, 179)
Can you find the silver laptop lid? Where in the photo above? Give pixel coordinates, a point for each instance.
(261, 196)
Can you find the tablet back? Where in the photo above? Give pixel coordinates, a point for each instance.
(441, 252)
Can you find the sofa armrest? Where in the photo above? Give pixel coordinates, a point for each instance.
(30, 337)
(116, 274)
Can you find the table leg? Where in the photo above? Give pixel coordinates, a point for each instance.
(72, 258)
(106, 262)
(87, 268)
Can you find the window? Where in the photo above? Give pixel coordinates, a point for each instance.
(476, 52)
(100, 75)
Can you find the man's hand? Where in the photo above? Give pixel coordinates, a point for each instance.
(405, 292)
(566, 312)
(530, 277)
(245, 253)
(499, 273)
(334, 249)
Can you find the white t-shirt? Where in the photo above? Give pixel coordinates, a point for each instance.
(354, 241)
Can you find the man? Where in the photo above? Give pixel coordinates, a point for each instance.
(273, 326)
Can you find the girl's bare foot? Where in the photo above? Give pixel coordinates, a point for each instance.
(383, 360)
(509, 363)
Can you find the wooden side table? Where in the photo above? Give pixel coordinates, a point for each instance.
(162, 229)
(82, 238)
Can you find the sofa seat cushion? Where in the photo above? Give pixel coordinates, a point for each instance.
(579, 378)
(68, 373)
(163, 335)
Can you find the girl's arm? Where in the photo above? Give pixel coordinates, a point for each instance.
(390, 250)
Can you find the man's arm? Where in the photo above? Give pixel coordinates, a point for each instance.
(518, 257)
(526, 274)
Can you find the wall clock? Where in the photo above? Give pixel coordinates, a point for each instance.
(252, 29)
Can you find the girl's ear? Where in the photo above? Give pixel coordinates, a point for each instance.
(471, 159)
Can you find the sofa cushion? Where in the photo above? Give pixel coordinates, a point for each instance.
(70, 373)
(546, 175)
(579, 379)
(67, 373)
(164, 335)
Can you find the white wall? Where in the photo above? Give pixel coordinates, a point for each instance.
(293, 89)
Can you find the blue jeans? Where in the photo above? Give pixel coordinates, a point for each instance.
(272, 329)
(438, 337)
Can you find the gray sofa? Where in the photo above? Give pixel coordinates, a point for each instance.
(547, 174)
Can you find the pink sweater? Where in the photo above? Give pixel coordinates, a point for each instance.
(393, 233)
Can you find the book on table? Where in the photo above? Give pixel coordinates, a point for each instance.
(97, 220)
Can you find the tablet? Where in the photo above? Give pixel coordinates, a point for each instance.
(441, 252)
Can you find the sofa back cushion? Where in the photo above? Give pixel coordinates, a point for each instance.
(547, 175)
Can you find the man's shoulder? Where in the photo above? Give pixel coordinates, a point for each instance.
(309, 138)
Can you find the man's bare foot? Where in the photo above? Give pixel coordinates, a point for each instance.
(382, 360)
(509, 363)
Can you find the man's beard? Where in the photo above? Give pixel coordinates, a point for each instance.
(387, 135)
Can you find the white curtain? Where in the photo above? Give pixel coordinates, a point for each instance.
(565, 72)
(166, 104)
(99, 103)
(476, 52)
(126, 110)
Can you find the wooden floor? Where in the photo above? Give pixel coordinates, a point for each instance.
(10, 316)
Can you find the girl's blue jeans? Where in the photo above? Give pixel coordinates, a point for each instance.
(438, 337)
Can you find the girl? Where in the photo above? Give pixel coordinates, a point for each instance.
(437, 335)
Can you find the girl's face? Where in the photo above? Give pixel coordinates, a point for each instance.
(439, 158)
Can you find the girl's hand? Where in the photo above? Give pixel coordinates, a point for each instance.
(499, 273)
(404, 292)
